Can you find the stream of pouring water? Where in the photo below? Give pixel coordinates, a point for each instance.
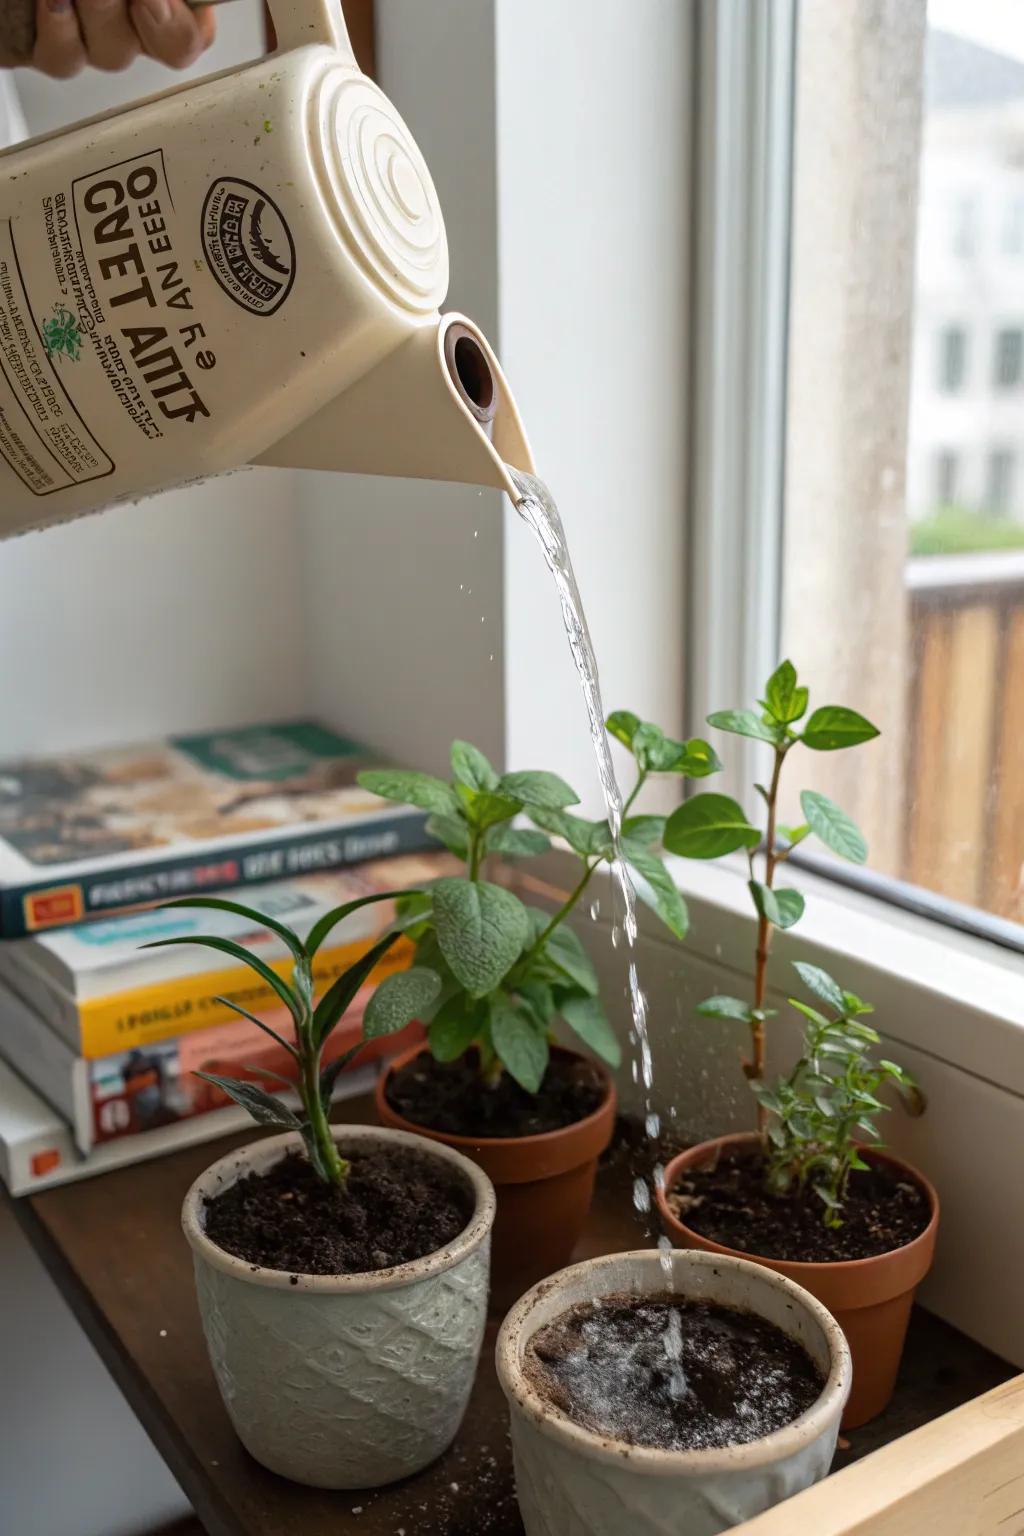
(538, 510)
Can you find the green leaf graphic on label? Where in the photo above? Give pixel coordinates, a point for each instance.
(61, 335)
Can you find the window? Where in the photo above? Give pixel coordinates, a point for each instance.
(1013, 227)
(930, 647)
(999, 491)
(952, 358)
(965, 227)
(1009, 358)
(947, 466)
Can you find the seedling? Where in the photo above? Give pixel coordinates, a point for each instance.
(710, 826)
(506, 971)
(399, 999)
(823, 1114)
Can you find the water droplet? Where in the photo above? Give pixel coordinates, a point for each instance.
(616, 935)
(652, 1125)
(491, 656)
(659, 1176)
(595, 910)
(476, 533)
(641, 1195)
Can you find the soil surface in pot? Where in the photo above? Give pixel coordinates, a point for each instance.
(451, 1098)
(730, 1205)
(397, 1205)
(673, 1374)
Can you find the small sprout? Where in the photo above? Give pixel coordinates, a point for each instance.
(406, 995)
(508, 971)
(822, 1115)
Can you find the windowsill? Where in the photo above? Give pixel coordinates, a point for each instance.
(950, 994)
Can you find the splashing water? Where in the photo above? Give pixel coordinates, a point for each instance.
(674, 1350)
(538, 510)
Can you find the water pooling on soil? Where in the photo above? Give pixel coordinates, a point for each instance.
(538, 510)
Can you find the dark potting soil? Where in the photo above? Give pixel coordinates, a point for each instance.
(396, 1205)
(730, 1204)
(673, 1374)
(450, 1097)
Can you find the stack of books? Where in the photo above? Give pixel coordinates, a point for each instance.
(104, 1037)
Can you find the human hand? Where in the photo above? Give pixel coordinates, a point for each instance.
(111, 34)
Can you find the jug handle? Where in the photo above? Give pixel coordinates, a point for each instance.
(299, 23)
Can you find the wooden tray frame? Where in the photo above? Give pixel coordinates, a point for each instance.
(960, 1475)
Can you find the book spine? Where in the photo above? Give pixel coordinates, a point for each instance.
(30, 908)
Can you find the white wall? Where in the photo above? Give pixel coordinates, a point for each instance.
(400, 573)
(593, 153)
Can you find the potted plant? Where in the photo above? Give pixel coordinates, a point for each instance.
(341, 1271)
(826, 1206)
(536, 1117)
(644, 1402)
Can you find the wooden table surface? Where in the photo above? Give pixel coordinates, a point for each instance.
(113, 1245)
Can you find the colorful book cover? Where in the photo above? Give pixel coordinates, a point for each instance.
(96, 987)
(94, 832)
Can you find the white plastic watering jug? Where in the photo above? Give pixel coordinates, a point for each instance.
(246, 269)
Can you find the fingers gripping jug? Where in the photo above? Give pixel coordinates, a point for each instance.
(243, 269)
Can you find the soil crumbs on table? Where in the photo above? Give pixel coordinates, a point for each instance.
(450, 1097)
(672, 1374)
(396, 1205)
(730, 1204)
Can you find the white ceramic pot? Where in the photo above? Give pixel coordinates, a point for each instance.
(572, 1482)
(347, 1381)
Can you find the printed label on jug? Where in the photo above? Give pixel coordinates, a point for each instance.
(249, 245)
(42, 436)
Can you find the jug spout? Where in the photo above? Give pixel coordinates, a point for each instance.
(436, 408)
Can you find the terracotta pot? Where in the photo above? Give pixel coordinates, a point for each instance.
(573, 1481)
(544, 1184)
(870, 1298)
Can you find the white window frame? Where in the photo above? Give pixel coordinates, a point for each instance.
(952, 1000)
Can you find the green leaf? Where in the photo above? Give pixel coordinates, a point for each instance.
(330, 1074)
(339, 995)
(836, 830)
(456, 1025)
(240, 953)
(486, 810)
(794, 835)
(399, 999)
(263, 1107)
(744, 722)
(546, 790)
(821, 984)
(697, 760)
(539, 998)
(623, 725)
(291, 939)
(330, 920)
(831, 728)
(658, 889)
(517, 842)
(784, 699)
(470, 767)
(521, 1046)
(410, 788)
(722, 1007)
(280, 1039)
(643, 831)
(587, 838)
(810, 1013)
(782, 908)
(586, 1016)
(708, 826)
(481, 929)
(451, 831)
(565, 952)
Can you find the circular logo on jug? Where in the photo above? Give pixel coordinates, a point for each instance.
(248, 245)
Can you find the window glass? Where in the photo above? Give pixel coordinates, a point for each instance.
(904, 496)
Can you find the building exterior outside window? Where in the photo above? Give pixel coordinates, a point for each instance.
(952, 359)
(1009, 357)
(1001, 471)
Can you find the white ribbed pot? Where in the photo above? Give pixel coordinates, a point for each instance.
(572, 1482)
(346, 1381)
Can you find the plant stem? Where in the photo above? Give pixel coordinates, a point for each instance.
(755, 1067)
(560, 916)
(334, 1164)
(475, 854)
